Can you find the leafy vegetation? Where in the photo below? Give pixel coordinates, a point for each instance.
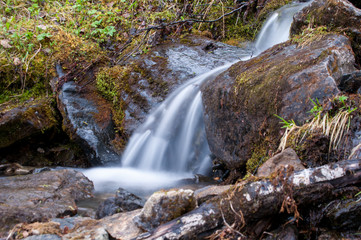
(36, 35)
(334, 124)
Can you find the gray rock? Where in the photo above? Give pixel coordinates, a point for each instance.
(338, 15)
(81, 113)
(123, 202)
(163, 206)
(206, 193)
(287, 157)
(117, 226)
(343, 214)
(43, 237)
(288, 232)
(350, 83)
(42, 196)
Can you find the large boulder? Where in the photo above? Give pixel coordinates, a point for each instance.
(38, 197)
(241, 103)
(337, 15)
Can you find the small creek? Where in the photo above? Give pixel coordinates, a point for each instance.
(171, 144)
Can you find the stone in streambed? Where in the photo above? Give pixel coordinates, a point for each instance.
(117, 226)
(38, 197)
(163, 206)
(124, 201)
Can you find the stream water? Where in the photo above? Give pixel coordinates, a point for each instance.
(171, 144)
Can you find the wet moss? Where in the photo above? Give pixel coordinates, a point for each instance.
(113, 84)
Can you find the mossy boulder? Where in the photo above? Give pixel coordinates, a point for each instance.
(336, 15)
(241, 103)
(32, 117)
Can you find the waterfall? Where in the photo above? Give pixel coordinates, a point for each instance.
(171, 143)
(276, 29)
(173, 136)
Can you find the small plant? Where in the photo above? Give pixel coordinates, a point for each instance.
(286, 124)
(317, 108)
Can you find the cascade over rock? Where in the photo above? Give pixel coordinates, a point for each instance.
(158, 73)
(241, 102)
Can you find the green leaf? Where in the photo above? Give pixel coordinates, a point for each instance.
(42, 36)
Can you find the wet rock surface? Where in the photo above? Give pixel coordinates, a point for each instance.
(124, 201)
(240, 103)
(350, 83)
(88, 122)
(167, 66)
(164, 206)
(38, 197)
(342, 214)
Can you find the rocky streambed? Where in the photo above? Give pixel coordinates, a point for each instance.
(299, 181)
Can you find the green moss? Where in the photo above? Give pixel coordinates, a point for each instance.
(259, 156)
(271, 6)
(113, 85)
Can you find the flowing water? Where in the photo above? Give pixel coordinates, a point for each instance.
(171, 144)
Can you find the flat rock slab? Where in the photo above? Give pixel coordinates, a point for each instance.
(39, 197)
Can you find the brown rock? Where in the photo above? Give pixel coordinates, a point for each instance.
(18, 123)
(287, 157)
(336, 15)
(241, 102)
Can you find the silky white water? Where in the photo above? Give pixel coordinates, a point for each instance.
(171, 144)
